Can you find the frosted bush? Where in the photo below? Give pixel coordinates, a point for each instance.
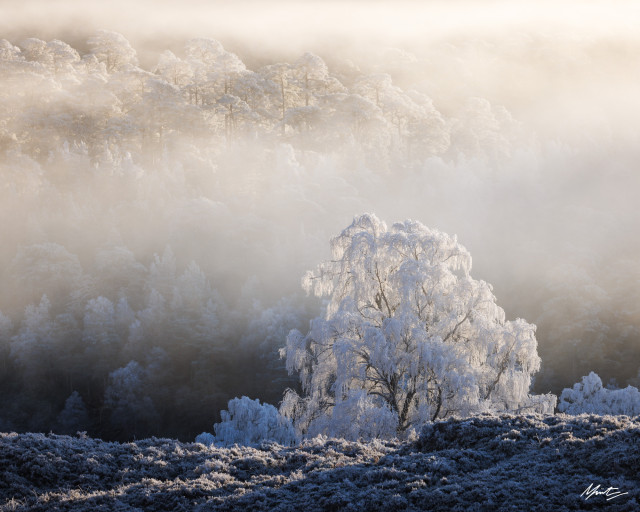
(588, 396)
(249, 423)
(206, 439)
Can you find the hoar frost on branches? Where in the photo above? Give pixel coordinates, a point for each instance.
(589, 396)
(248, 422)
(408, 337)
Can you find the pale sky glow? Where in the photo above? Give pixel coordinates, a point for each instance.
(293, 22)
(533, 57)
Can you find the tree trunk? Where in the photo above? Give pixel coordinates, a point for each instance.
(438, 404)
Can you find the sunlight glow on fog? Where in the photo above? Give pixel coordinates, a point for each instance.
(539, 57)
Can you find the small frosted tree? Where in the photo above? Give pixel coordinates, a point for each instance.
(132, 410)
(33, 348)
(248, 422)
(74, 415)
(409, 336)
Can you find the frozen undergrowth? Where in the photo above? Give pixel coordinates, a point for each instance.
(484, 463)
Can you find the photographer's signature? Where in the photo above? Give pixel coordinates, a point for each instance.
(609, 493)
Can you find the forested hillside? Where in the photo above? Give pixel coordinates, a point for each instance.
(157, 221)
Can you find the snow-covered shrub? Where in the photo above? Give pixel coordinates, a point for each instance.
(206, 439)
(589, 396)
(248, 422)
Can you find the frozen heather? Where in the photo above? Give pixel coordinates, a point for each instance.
(543, 463)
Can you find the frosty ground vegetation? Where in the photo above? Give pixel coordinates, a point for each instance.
(507, 462)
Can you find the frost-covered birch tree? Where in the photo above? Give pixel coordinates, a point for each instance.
(408, 337)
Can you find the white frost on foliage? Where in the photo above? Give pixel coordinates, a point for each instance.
(249, 423)
(206, 439)
(589, 396)
(408, 334)
(504, 462)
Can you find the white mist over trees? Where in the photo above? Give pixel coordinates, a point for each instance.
(157, 218)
